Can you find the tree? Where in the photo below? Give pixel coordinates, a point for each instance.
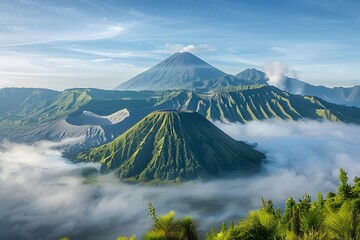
(295, 221)
(268, 206)
(344, 189)
(320, 201)
(356, 189)
(289, 212)
(305, 203)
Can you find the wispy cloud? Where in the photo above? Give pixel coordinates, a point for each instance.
(91, 33)
(111, 54)
(101, 59)
(40, 70)
(170, 48)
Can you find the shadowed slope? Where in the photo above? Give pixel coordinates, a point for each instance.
(172, 73)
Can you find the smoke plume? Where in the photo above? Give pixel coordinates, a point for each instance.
(275, 72)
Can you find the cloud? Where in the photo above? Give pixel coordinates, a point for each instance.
(275, 72)
(112, 54)
(60, 72)
(188, 48)
(89, 33)
(308, 148)
(101, 59)
(44, 196)
(170, 48)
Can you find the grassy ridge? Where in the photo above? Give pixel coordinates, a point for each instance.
(14, 99)
(231, 104)
(259, 103)
(171, 145)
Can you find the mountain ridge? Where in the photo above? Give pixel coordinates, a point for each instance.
(340, 95)
(185, 71)
(61, 117)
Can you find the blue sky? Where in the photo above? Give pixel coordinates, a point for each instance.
(101, 43)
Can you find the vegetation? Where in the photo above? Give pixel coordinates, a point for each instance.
(175, 146)
(336, 217)
(167, 227)
(14, 98)
(39, 107)
(257, 102)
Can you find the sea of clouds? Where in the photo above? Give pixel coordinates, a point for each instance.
(44, 196)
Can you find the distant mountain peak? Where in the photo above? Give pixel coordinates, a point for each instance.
(172, 73)
(252, 75)
(183, 58)
(253, 71)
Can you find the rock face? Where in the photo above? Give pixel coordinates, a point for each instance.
(173, 146)
(90, 118)
(174, 72)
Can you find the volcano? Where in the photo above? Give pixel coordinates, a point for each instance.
(176, 71)
(174, 146)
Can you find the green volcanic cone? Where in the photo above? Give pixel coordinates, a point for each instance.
(171, 145)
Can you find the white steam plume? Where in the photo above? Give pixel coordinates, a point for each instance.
(275, 72)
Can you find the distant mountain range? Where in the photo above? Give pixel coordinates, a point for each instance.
(15, 98)
(339, 95)
(188, 72)
(173, 146)
(92, 117)
(165, 132)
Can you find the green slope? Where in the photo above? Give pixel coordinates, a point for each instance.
(258, 103)
(170, 145)
(51, 109)
(231, 104)
(36, 106)
(11, 99)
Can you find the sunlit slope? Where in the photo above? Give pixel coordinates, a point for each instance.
(62, 104)
(51, 109)
(232, 104)
(258, 103)
(168, 145)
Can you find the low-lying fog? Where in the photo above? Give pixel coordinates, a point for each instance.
(44, 196)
